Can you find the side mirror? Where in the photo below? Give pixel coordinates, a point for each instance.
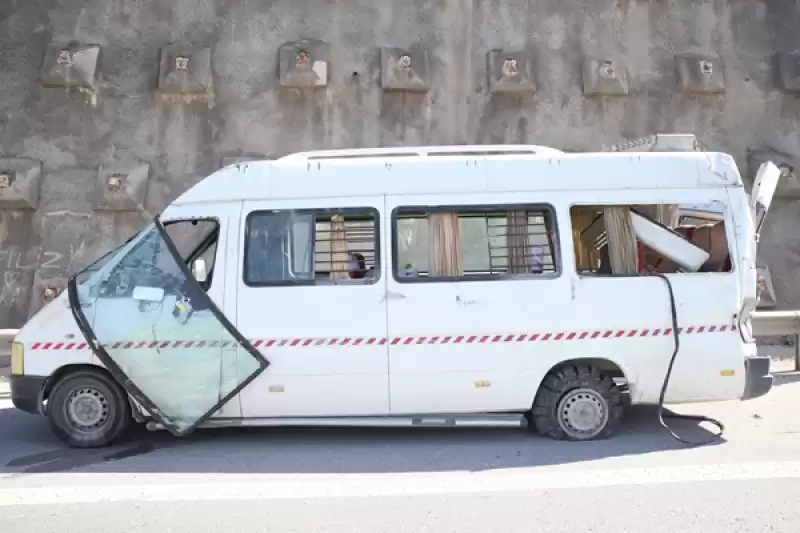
(199, 270)
(148, 294)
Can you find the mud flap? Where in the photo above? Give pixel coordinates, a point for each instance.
(159, 334)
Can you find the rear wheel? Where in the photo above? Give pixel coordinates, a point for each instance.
(88, 409)
(577, 402)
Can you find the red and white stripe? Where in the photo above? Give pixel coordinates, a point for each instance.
(411, 340)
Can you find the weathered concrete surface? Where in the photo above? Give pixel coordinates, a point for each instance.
(125, 123)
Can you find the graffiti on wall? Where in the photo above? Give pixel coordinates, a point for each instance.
(19, 265)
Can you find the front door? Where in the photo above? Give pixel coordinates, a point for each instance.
(311, 297)
(157, 330)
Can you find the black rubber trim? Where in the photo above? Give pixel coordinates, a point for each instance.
(122, 378)
(26, 393)
(757, 379)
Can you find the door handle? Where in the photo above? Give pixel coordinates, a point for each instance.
(394, 295)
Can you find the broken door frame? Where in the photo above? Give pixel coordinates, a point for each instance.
(130, 387)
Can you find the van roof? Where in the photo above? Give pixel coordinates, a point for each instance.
(458, 169)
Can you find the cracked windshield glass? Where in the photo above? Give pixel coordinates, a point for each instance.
(157, 326)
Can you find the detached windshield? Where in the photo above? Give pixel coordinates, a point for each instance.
(159, 332)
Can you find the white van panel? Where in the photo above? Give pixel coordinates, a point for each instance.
(326, 343)
(52, 339)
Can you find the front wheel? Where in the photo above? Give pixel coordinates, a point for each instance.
(88, 409)
(577, 402)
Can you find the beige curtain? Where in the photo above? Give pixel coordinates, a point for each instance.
(665, 214)
(339, 258)
(621, 240)
(444, 245)
(586, 258)
(518, 242)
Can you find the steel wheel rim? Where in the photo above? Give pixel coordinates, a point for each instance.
(582, 413)
(88, 409)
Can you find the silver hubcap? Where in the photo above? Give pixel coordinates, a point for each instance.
(582, 413)
(87, 408)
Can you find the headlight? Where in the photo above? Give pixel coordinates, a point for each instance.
(17, 359)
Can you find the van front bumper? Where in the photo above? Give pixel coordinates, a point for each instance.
(757, 379)
(26, 393)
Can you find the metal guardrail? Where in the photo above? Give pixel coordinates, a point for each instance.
(779, 323)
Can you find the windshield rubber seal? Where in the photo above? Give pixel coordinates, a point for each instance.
(130, 387)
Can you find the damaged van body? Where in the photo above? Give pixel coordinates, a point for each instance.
(486, 285)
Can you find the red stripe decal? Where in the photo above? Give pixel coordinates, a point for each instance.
(407, 340)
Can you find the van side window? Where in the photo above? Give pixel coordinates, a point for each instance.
(473, 243)
(196, 241)
(635, 239)
(312, 247)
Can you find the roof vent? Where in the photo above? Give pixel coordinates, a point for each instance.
(662, 142)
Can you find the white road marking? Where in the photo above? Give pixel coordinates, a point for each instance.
(307, 486)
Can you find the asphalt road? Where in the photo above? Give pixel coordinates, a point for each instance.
(420, 480)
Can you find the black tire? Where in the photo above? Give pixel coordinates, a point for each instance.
(573, 383)
(99, 391)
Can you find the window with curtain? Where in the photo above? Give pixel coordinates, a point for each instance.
(311, 247)
(475, 242)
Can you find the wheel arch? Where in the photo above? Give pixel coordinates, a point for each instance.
(612, 368)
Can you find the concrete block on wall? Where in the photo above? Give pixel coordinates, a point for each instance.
(789, 183)
(404, 70)
(511, 72)
(789, 70)
(121, 188)
(71, 65)
(303, 64)
(604, 77)
(700, 74)
(185, 73)
(20, 182)
(765, 288)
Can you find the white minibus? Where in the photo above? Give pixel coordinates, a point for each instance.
(445, 286)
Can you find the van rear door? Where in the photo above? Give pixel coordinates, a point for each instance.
(763, 190)
(759, 202)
